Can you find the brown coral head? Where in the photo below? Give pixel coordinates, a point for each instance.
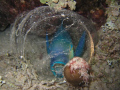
(76, 72)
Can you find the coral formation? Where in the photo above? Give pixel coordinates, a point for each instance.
(113, 13)
(93, 9)
(77, 71)
(10, 9)
(59, 4)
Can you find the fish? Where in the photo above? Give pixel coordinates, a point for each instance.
(61, 50)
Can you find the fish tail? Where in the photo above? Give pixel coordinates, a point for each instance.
(81, 44)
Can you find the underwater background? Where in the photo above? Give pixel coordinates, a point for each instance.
(24, 61)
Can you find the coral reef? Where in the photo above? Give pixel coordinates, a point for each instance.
(106, 61)
(10, 9)
(113, 13)
(59, 4)
(18, 75)
(92, 9)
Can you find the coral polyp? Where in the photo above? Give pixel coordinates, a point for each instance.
(76, 72)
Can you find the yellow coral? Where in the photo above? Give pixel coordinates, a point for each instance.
(55, 1)
(59, 4)
(72, 4)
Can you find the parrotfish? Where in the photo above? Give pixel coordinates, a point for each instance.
(61, 50)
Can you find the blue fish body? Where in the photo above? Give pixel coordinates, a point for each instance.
(61, 50)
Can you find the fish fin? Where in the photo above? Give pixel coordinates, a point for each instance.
(81, 44)
(60, 29)
(71, 53)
